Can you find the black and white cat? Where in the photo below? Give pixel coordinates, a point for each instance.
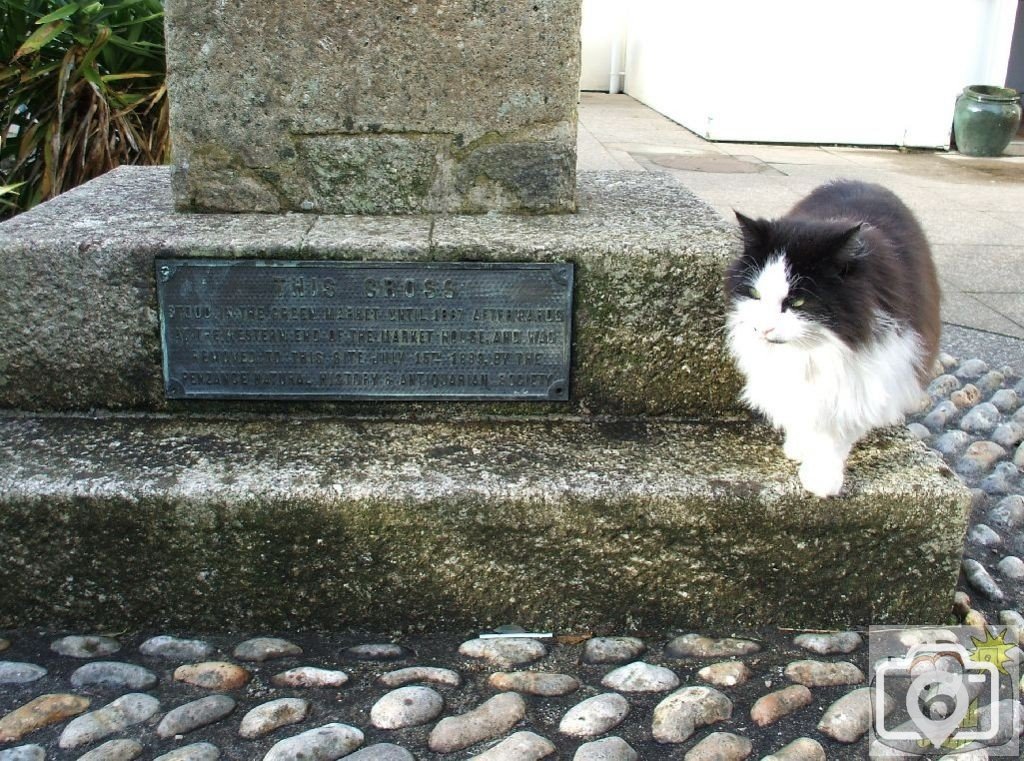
(833, 318)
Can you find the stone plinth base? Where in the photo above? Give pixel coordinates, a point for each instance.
(79, 327)
(301, 523)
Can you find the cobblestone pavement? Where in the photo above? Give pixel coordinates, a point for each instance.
(693, 695)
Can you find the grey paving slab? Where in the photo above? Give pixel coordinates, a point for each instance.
(968, 311)
(976, 268)
(1010, 305)
(972, 209)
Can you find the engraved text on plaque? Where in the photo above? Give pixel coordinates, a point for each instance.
(234, 329)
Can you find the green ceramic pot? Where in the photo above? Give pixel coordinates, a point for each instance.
(986, 119)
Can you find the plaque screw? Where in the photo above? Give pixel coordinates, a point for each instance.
(165, 273)
(561, 275)
(557, 390)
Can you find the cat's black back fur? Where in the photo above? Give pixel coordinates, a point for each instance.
(856, 252)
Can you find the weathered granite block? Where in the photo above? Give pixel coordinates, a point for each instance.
(382, 107)
(79, 329)
(567, 525)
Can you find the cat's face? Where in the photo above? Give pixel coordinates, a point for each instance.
(789, 285)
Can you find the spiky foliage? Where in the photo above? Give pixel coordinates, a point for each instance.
(81, 92)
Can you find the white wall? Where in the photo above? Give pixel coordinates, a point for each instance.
(872, 72)
(604, 23)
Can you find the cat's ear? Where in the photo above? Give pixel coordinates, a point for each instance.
(755, 231)
(848, 248)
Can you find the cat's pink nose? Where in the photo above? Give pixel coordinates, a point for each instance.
(768, 332)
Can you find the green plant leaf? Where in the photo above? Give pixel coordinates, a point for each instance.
(60, 13)
(41, 37)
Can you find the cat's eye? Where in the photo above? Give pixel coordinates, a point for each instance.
(753, 292)
(798, 302)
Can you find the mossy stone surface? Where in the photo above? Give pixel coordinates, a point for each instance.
(80, 329)
(570, 525)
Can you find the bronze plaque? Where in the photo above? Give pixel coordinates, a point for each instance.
(270, 329)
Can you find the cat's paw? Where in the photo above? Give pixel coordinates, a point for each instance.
(793, 449)
(822, 479)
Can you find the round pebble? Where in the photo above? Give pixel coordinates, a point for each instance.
(192, 716)
(823, 673)
(376, 652)
(1012, 618)
(971, 369)
(213, 675)
(266, 717)
(402, 677)
(980, 579)
(990, 382)
(1008, 514)
(504, 652)
(594, 716)
(942, 413)
(114, 750)
(801, 749)
(1011, 567)
(612, 649)
(606, 749)
(534, 683)
(173, 648)
(4, 644)
(961, 604)
(1018, 457)
(1019, 414)
(981, 420)
(641, 677)
(490, 719)
(24, 753)
(126, 676)
(725, 674)
(966, 397)
(849, 718)
(952, 443)
(919, 432)
(975, 618)
(720, 746)
(771, 707)
(12, 672)
(829, 644)
(1008, 435)
(309, 676)
(699, 646)
(330, 741)
(194, 752)
(947, 361)
(980, 457)
(86, 646)
(983, 536)
(943, 386)
(1002, 479)
(522, 746)
(265, 648)
(38, 713)
(679, 715)
(114, 717)
(406, 707)
(382, 752)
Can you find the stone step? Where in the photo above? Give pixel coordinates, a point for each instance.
(212, 523)
(79, 329)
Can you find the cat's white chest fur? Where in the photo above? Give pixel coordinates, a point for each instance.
(830, 387)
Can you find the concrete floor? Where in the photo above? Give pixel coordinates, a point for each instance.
(972, 209)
